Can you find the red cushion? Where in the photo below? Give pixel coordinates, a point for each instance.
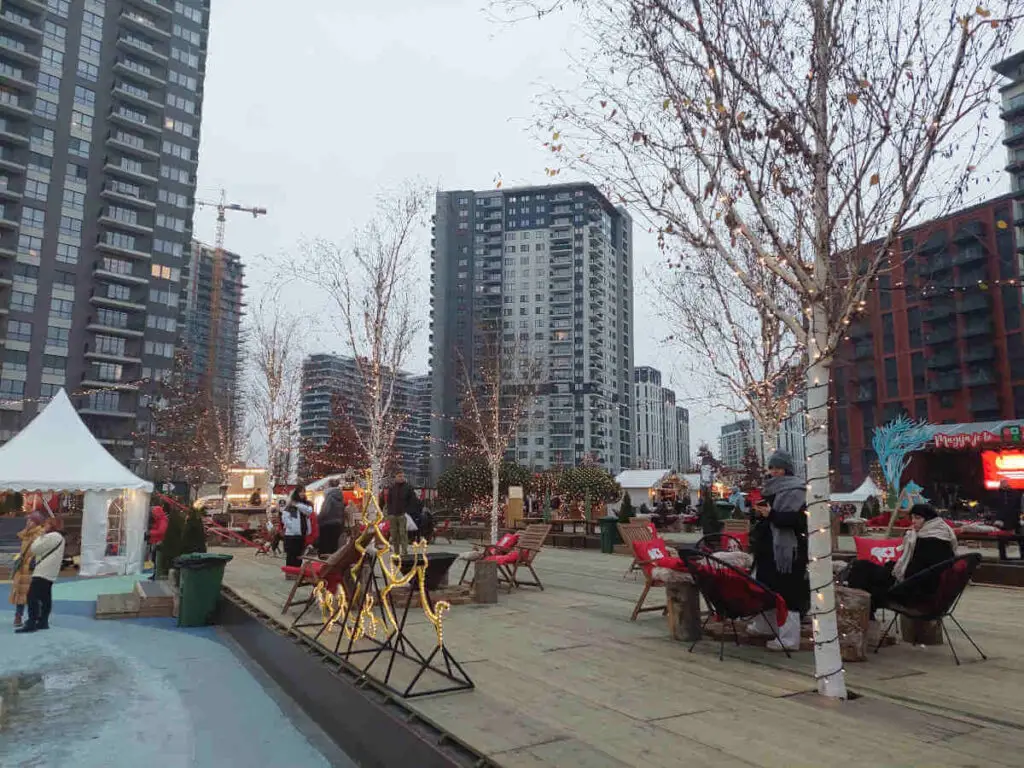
(744, 596)
(652, 550)
(507, 541)
(509, 558)
(878, 551)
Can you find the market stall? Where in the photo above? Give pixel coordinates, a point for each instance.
(56, 452)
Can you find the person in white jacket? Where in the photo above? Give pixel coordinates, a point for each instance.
(48, 554)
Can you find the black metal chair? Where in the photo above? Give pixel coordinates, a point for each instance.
(932, 595)
(718, 542)
(730, 594)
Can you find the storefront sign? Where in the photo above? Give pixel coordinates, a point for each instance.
(1000, 467)
(959, 442)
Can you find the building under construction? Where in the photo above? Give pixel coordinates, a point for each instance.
(211, 318)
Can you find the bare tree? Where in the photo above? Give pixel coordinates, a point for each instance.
(275, 385)
(755, 360)
(497, 391)
(371, 287)
(808, 133)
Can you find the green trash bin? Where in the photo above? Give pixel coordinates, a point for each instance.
(609, 533)
(201, 575)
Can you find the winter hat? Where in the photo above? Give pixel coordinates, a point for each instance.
(926, 511)
(781, 460)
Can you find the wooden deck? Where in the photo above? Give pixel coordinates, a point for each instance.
(563, 678)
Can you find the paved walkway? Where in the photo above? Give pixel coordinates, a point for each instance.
(565, 679)
(140, 692)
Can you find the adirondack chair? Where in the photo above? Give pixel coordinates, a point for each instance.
(504, 546)
(531, 542)
(631, 532)
(650, 554)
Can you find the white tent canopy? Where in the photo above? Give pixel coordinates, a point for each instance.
(638, 484)
(866, 489)
(57, 452)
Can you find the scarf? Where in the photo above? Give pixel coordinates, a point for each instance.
(936, 528)
(788, 494)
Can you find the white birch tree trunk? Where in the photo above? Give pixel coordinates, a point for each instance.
(376, 467)
(495, 485)
(828, 663)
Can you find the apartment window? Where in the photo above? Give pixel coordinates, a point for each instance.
(89, 46)
(75, 201)
(76, 172)
(186, 82)
(179, 126)
(41, 135)
(71, 226)
(126, 215)
(161, 272)
(187, 58)
(78, 147)
(19, 330)
(132, 166)
(58, 7)
(190, 13)
(112, 318)
(28, 246)
(64, 280)
(55, 33)
(110, 345)
(47, 391)
(32, 217)
(117, 266)
(57, 337)
(104, 401)
(124, 188)
(170, 222)
(48, 83)
(174, 173)
(166, 246)
(180, 102)
(107, 371)
(53, 57)
(46, 109)
(119, 292)
(67, 253)
(37, 190)
(11, 387)
(92, 25)
(159, 348)
(188, 35)
(61, 308)
(168, 324)
(168, 298)
(120, 240)
(88, 71)
(54, 365)
(172, 198)
(22, 301)
(15, 360)
(177, 150)
(133, 114)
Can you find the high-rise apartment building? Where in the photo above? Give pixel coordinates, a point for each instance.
(222, 349)
(331, 387)
(736, 438)
(100, 104)
(551, 269)
(662, 428)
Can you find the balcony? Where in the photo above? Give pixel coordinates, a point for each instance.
(11, 104)
(127, 306)
(982, 327)
(100, 271)
(938, 311)
(946, 359)
(87, 411)
(143, 24)
(8, 162)
(984, 401)
(131, 148)
(108, 246)
(15, 76)
(977, 352)
(16, 49)
(111, 192)
(947, 382)
(138, 46)
(980, 378)
(974, 302)
(139, 96)
(140, 73)
(150, 6)
(131, 226)
(10, 136)
(19, 23)
(114, 385)
(940, 336)
(129, 172)
(122, 118)
(6, 222)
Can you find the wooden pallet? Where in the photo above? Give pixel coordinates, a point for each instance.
(121, 606)
(156, 599)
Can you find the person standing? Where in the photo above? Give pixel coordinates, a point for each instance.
(48, 554)
(22, 577)
(155, 534)
(401, 499)
(779, 546)
(295, 519)
(332, 518)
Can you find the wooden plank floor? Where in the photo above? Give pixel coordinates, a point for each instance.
(563, 678)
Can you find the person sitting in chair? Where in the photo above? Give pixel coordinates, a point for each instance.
(929, 541)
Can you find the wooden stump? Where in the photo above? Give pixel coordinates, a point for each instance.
(485, 581)
(683, 601)
(917, 632)
(852, 615)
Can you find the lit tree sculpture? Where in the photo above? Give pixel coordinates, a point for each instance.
(894, 443)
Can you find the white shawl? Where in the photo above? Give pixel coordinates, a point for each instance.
(936, 528)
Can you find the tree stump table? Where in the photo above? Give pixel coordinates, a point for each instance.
(485, 581)
(917, 632)
(683, 602)
(853, 612)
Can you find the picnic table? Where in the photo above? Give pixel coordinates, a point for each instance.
(1001, 539)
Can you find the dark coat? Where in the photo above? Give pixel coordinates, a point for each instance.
(332, 511)
(927, 552)
(401, 499)
(793, 586)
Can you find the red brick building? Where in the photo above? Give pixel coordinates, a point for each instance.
(941, 338)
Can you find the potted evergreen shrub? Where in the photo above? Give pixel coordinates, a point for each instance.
(170, 547)
(709, 520)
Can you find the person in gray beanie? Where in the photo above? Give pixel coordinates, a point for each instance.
(779, 546)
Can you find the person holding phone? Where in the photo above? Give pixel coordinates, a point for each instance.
(48, 555)
(778, 542)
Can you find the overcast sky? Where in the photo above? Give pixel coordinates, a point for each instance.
(310, 111)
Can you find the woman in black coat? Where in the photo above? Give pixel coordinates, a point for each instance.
(779, 546)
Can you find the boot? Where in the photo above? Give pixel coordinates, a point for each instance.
(759, 628)
(17, 620)
(24, 630)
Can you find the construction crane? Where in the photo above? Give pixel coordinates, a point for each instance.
(223, 206)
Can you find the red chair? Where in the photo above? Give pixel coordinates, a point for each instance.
(649, 555)
(733, 594)
(530, 543)
(878, 551)
(932, 595)
(506, 544)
